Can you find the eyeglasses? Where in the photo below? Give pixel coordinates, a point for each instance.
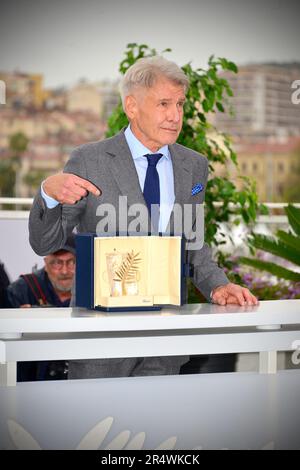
(59, 263)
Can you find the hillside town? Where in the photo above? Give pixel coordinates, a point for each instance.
(264, 127)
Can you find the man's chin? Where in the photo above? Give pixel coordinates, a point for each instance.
(170, 137)
(62, 287)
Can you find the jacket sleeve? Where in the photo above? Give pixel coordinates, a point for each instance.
(17, 294)
(49, 228)
(207, 274)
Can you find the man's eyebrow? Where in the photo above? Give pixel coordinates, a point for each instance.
(183, 99)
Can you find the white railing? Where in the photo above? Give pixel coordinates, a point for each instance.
(29, 200)
(16, 214)
(59, 333)
(16, 200)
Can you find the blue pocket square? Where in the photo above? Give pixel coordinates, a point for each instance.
(197, 189)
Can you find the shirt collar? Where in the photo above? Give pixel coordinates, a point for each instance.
(138, 149)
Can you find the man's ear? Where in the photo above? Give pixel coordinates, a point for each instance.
(130, 106)
(45, 263)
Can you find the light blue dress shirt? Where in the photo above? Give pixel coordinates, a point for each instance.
(165, 172)
(50, 202)
(164, 169)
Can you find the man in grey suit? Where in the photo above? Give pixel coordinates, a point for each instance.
(98, 173)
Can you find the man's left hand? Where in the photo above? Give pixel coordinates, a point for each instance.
(233, 294)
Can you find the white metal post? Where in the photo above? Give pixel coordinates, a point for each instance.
(8, 374)
(268, 362)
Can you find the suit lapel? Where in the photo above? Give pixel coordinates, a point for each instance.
(182, 169)
(123, 169)
(124, 173)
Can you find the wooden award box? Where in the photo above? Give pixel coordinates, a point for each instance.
(122, 273)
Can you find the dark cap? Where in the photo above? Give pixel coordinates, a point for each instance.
(69, 245)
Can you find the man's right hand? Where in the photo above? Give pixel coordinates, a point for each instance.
(67, 188)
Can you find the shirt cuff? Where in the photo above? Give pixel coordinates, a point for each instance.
(50, 202)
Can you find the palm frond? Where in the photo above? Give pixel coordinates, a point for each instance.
(272, 268)
(293, 214)
(129, 267)
(276, 247)
(289, 239)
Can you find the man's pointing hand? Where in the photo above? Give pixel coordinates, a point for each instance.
(67, 188)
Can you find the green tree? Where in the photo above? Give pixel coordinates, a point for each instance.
(7, 178)
(18, 143)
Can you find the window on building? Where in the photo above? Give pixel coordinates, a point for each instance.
(281, 167)
(280, 189)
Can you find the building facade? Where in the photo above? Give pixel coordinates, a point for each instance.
(262, 102)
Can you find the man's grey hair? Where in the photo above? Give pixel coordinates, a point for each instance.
(144, 73)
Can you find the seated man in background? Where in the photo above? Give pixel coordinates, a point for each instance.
(49, 286)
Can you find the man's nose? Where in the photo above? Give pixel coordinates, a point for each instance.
(64, 268)
(174, 114)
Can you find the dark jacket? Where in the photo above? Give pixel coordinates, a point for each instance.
(4, 282)
(20, 293)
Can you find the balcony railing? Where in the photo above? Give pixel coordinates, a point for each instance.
(15, 213)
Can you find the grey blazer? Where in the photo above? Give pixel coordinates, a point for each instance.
(109, 165)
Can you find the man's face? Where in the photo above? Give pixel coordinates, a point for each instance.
(60, 268)
(156, 113)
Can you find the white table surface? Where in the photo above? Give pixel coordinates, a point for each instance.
(39, 334)
(49, 320)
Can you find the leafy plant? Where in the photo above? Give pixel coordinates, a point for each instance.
(10, 167)
(208, 92)
(286, 246)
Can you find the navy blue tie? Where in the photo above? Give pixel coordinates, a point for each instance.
(151, 188)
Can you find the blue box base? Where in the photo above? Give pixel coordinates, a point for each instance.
(127, 309)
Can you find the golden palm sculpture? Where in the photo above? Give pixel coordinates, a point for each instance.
(127, 274)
